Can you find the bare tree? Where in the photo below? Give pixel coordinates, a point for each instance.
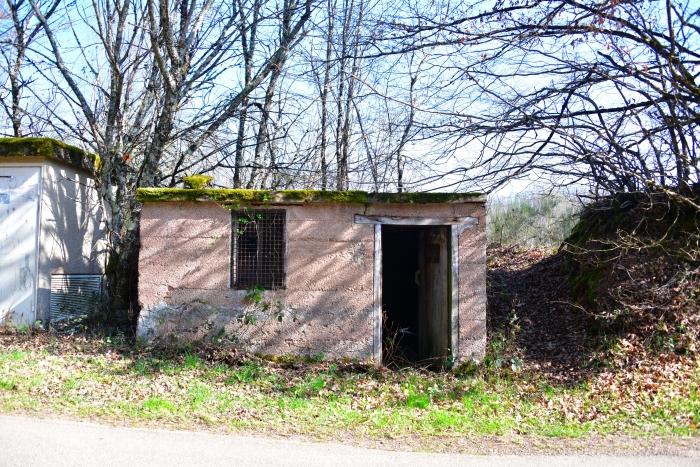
(408, 126)
(158, 95)
(604, 92)
(262, 139)
(248, 35)
(449, 95)
(15, 42)
(330, 11)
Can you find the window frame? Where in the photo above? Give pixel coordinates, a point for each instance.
(234, 271)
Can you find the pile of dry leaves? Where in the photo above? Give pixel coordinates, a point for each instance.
(530, 309)
(623, 292)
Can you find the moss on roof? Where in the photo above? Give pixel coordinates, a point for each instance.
(197, 181)
(51, 148)
(424, 197)
(239, 196)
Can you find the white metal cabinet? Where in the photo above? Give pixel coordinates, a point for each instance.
(19, 214)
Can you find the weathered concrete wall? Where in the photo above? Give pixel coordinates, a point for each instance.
(184, 277)
(472, 284)
(72, 235)
(184, 268)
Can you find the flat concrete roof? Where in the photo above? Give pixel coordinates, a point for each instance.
(16, 149)
(241, 196)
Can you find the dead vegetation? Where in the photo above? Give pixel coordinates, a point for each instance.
(634, 266)
(530, 313)
(596, 338)
(218, 389)
(622, 294)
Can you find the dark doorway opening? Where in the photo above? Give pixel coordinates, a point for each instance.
(416, 285)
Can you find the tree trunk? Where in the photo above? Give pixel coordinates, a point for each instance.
(324, 95)
(240, 139)
(122, 279)
(261, 140)
(121, 270)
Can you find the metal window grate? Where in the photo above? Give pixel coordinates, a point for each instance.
(258, 248)
(74, 296)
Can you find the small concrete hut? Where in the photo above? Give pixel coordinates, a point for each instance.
(342, 274)
(51, 232)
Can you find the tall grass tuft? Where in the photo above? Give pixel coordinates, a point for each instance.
(532, 220)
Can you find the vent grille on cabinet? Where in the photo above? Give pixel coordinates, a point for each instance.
(74, 296)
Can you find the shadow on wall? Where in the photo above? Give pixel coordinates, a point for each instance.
(325, 308)
(72, 231)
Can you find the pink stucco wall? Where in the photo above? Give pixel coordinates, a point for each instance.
(472, 285)
(184, 276)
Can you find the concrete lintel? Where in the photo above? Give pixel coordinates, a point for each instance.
(463, 221)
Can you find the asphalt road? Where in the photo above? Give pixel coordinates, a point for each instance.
(41, 442)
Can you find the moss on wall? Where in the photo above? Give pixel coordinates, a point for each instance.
(240, 196)
(51, 148)
(585, 284)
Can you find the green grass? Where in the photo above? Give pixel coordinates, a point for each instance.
(320, 399)
(418, 401)
(7, 384)
(157, 405)
(246, 374)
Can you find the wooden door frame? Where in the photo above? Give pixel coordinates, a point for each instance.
(457, 224)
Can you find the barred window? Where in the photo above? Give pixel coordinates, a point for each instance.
(258, 248)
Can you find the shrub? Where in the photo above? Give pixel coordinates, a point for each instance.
(534, 221)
